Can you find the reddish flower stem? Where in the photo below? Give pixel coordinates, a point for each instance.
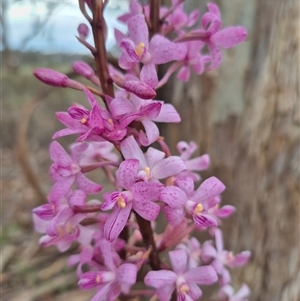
(87, 208)
(154, 17)
(99, 31)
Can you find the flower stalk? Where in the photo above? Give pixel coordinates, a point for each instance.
(99, 32)
(116, 232)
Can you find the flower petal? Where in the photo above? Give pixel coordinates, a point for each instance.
(168, 167)
(153, 156)
(131, 150)
(151, 110)
(184, 74)
(127, 172)
(126, 273)
(120, 106)
(204, 221)
(116, 222)
(146, 191)
(174, 215)
(202, 275)
(78, 150)
(225, 211)
(195, 291)
(59, 155)
(163, 51)
(167, 114)
(229, 37)
(199, 163)
(216, 56)
(138, 30)
(159, 279)
(146, 209)
(66, 132)
(106, 249)
(208, 251)
(178, 260)
(128, 48)
(152, 132)
(173, 196)
(149, 75)
(60, 189)
(243, 292)
(240, 259)
(219, 240)
(67, 120)
(110, 199)
(164, 293)
(87, 185)
(210, 188)
(186, 184)
(77, 198)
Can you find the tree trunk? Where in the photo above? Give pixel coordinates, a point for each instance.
(246, 115)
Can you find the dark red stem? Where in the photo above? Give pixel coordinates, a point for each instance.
(147, 233)
(154, 17)
(99, 32)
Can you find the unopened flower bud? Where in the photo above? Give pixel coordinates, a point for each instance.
(83, 69)
(118, 79)
(51, 77)
(83, 30)
(56, 79)
(140, 89)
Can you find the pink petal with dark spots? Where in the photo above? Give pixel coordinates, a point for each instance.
(87, 185)
(208, 190)
(229, 37)
(178, 260)
(202, 275)
(116, 222)
(127, 173)
(138, 30)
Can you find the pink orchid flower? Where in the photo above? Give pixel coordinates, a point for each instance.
(220, 258)
(193, 249)
(152, 165)
(227, 293)
(200, 163)
(185, 281)
(136, 109)
(137, 48)
(182, 199)
(194, 60)
(221, 212)
(65, 227)
(215, 38)
(111, 280)
(95, 125)
(137, 196)
(66, 170)
(81, 121)
(179, 19)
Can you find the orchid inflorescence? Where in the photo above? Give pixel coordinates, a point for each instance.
(116, 235)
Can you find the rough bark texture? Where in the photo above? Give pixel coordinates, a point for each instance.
(246, 115)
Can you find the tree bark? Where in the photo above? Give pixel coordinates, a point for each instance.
(246, 115)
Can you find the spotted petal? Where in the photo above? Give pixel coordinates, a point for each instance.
(178, 260)
(116, 222)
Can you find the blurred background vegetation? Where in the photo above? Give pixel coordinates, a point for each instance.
(246, 115)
